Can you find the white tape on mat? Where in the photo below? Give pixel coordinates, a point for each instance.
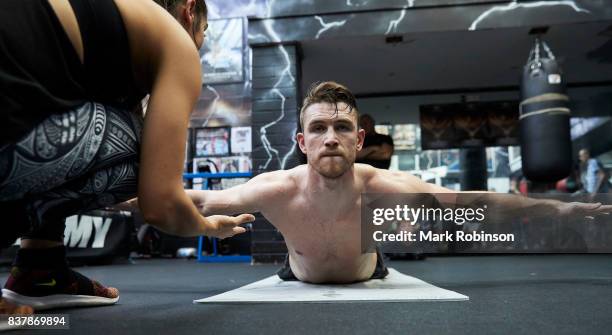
(397, 287)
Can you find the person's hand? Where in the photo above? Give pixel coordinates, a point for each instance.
(223, 226)
(586, 210)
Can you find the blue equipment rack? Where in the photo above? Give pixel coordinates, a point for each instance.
(215, 257)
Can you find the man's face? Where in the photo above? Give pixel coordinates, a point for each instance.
(583, 155)
(330, 139)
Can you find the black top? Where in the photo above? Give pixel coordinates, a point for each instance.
(376, 139)
(40, 72)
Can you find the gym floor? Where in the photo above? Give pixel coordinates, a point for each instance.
(542, 294)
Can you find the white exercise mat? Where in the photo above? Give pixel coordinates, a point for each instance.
(395, 287)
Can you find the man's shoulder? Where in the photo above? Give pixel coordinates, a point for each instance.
(373, 177)
(276, 175)
(283, 179)
(366, 172)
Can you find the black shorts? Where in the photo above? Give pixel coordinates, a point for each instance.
(380, 272)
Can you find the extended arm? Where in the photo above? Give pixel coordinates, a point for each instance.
(256, 195)
(506, 205)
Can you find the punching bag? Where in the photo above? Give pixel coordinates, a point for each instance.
(546, 146)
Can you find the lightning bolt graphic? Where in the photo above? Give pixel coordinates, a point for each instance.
(327, 26)
(286, 73)
(213, 106)
(514, 5)
(393, 24)
(262, 36)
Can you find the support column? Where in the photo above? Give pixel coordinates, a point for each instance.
(275, 121)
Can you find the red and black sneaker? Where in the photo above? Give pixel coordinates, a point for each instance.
(56, 286)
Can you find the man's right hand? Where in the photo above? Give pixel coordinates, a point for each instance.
(223, 226)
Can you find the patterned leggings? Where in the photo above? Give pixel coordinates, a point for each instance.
(83, 159)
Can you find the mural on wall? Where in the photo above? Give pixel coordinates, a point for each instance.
(235, 8)
(223, 52)
(276, 8)
(314, 19)
(223, 105)
(270, 84)
(514, 5)
(303, 20)
(278, 22)
(225, 100)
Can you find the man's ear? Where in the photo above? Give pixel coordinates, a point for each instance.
(360, 138)
(300, 139)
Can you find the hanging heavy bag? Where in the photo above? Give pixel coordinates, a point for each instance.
(546, 146)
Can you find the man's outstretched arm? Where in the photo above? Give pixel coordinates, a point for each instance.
(254, 196)
(384, 181)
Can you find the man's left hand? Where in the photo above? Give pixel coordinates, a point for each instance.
(589, 211)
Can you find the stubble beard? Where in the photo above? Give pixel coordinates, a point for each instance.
(333, 170)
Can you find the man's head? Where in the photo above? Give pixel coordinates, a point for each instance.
(366, 122)
(330, 137)
(191, 14)
(584, 155)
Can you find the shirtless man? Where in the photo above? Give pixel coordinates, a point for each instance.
(316, 206)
